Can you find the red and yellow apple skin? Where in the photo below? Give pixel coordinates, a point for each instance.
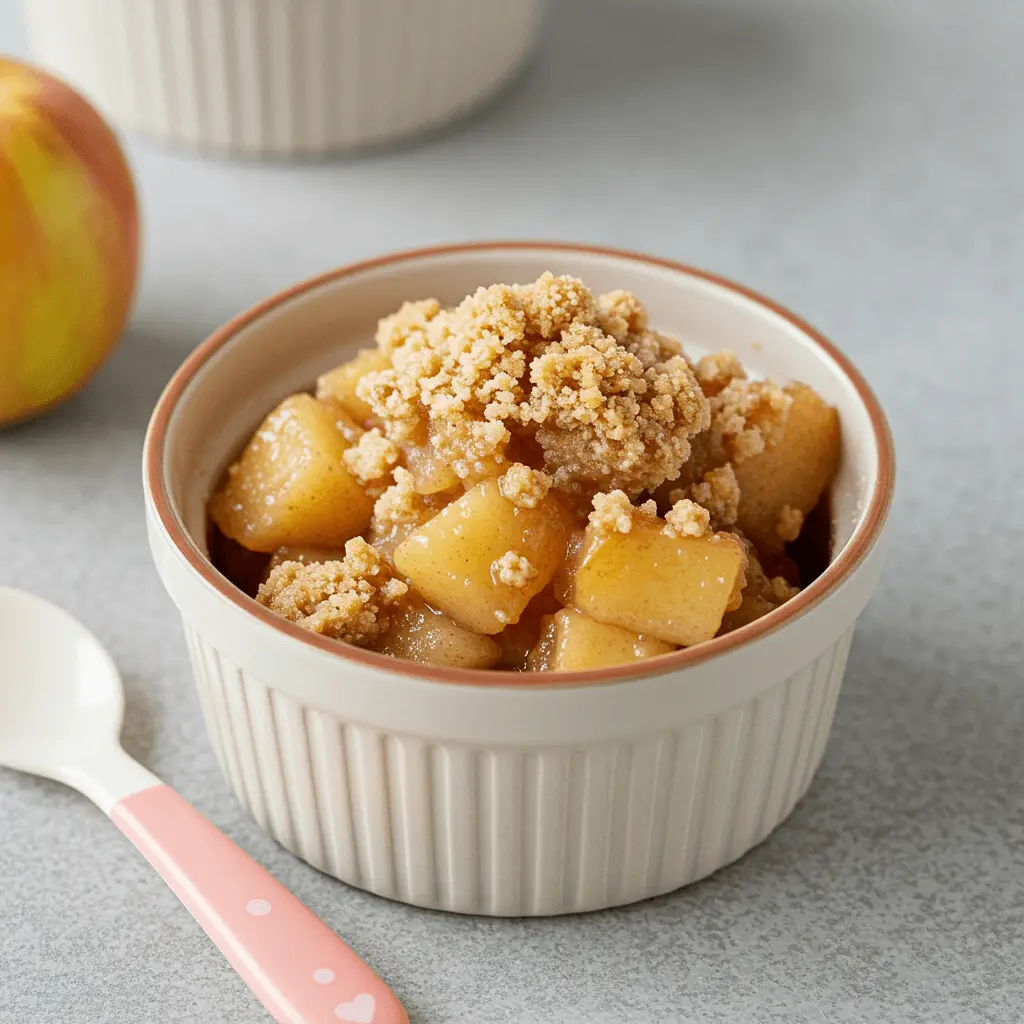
(69, 241)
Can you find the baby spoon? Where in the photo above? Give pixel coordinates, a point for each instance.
(61, 706)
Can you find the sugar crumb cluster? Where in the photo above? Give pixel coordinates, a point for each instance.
(612, 513)
(348, 600)
(610, 404)
(513, 569)
(686, 519)
(524, 486)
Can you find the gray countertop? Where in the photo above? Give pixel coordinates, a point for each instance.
(861, 162)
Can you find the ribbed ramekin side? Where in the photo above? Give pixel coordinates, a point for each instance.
(517, 831)
(279, 78)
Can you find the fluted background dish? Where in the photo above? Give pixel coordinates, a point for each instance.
(466, 790)
(283, 77)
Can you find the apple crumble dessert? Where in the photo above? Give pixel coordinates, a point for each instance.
(533, 480)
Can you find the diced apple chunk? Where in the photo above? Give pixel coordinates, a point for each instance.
(430, 473)
(543, 651)
(483, 557)
(340, 383)
(350, 430)
(673, 588)
(432, 638)
(582, 643)
(793, 472)
(290, 487)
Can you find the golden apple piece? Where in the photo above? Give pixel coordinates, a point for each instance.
(430, 473)
(340, 383)
(350, 430)
(542, 653)
(483, 557)
(432, 638)
(785, 481)
(676, 588)
(580, 642)
(289, 487)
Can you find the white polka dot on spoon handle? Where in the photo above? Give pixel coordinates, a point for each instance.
(301, 971)
(61, 706)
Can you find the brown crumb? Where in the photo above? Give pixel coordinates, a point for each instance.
(686, 519)
(523, 486)
(409, 324)
(747, 417)
(612, 513)
(621, 314)
(760, 594)
(400, 503)
(553, 304)
(714, 372)
(348, 600)
(606, 421)
(791, 522)
(610, 404)
(372, 458)
(718, 492)
(513, 570)
(781, 590)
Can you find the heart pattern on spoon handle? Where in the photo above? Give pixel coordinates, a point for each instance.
(298, 968)
(359, 1011)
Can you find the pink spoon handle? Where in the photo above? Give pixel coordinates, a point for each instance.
(299, 969)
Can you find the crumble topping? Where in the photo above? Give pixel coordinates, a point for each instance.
(716, 371)
(791, 522)
(607, 410)
(612, 513)
(747, 416)
(372, 458)
(781, 590)
(523, 486)
(621, 314)
(718, 491)
(553, 304)
(348, 600)
(604, 420)
(513, 570)
(400, 504)
(407, 325)
(686, 519)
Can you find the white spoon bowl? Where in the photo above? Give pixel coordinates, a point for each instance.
(61, 706)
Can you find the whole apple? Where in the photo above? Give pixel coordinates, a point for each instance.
(69, 241)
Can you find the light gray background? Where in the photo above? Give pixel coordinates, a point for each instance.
(862, 162)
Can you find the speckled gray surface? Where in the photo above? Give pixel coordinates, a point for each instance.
(860, 161)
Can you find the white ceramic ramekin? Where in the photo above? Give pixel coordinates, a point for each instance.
(470, 790)
(283, 77)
